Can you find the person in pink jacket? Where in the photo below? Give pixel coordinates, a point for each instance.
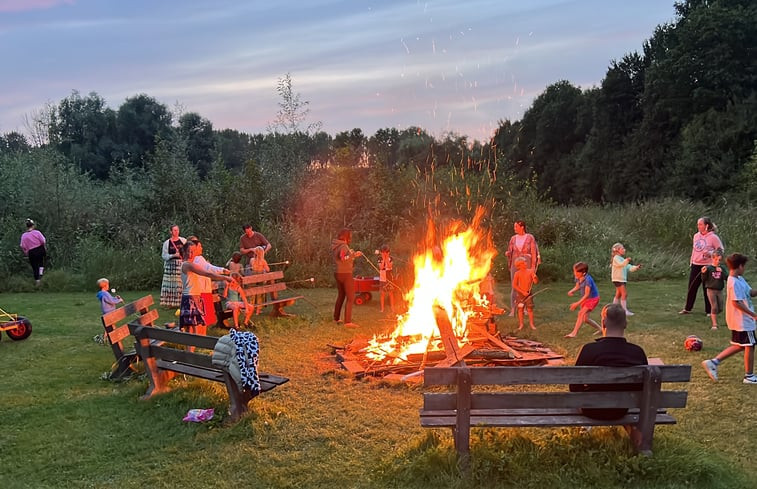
(33, 245)
(705, 242)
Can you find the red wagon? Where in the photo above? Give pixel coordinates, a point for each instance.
(363, 288)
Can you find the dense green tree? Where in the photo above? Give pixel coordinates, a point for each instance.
(200, 140)
(13, 142)
(349, 148)
(83, 129)
(233, 148)
(141, 121)
(383, 147)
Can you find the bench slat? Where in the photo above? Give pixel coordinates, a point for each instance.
(554, 375)
(171, 354)
(265, 289)
(122, 332)
(127, 310)
(171, 336)
(256, 278)
(546, 400)
(194, 370)
(539, 421)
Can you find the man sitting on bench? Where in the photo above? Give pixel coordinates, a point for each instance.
(612, 350)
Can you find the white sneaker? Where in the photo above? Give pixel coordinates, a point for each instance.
(750, 379)
(712, 370)
(628, 313)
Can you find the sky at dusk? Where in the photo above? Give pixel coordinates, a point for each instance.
(457, 66)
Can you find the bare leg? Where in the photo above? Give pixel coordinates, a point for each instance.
(748, 360)
(531, 317)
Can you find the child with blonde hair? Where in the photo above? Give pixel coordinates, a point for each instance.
(107, 301)
(620, 268)
(236, 300)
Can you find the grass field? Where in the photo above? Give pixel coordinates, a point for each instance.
(62, 426)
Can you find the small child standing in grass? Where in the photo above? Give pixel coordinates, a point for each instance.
(620, 268)
(107, 301)
(740, 318)
(713, 278)
(588, 301)
(386, 266)
(523, 280)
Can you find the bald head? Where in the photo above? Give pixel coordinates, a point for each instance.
(613, 320)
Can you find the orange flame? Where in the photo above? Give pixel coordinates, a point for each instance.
(446, 275)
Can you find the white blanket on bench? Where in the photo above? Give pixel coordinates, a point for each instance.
(237, 353)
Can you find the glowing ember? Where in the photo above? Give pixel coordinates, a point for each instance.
(447, 276)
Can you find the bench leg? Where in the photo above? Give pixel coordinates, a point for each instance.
(238, 398)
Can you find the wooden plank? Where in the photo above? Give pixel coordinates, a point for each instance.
(119, 334)
(265, 289)
(353, 367)
(540, 421)
(170, 354)
(552, 400)
(556, 375)
(215, 375)
(262, 277)
(127, 310)
(173, 336)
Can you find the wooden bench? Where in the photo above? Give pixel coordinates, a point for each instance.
(463, 409)
(166, 354)
(269, 285)
(117, 330)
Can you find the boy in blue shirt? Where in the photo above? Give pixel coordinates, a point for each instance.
(107, 301)
(587, 302)
(740, 318)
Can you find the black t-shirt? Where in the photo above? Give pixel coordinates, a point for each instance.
(610, 351)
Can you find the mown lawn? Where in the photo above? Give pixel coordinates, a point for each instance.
(62, 426)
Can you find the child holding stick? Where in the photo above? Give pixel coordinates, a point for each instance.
(385, 267)
(523, 281)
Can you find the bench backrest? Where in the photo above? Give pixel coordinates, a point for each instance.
(115, 322)
(256, 284)
(464, 379)
(164, 345)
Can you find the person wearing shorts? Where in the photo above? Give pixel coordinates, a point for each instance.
(588, 301)
(740, 318)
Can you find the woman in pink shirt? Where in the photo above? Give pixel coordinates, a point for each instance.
(704, 243)
(33, 246)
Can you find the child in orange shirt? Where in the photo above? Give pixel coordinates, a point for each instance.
(523, 280)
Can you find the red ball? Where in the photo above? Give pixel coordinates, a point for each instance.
(692, 343)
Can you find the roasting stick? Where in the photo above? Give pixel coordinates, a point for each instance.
(379, 271)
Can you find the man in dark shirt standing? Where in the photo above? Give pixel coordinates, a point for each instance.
(612, 350)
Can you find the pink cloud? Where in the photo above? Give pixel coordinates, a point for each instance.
(24, 5)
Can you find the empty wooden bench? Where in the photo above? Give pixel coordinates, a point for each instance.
(166, 354)
(270, 285)
(117, 330)
(465, 408)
